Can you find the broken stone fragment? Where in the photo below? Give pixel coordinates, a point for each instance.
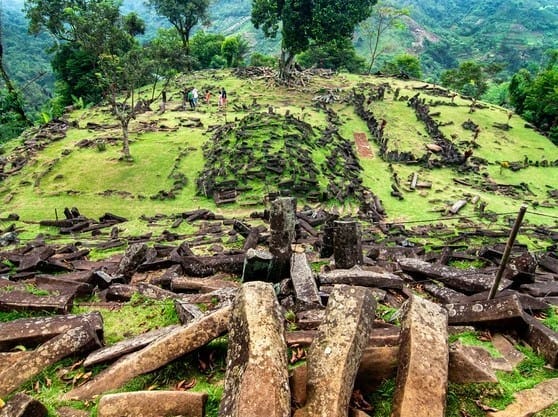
(23, 405)
(347, 247)
(78, 339)
(153, 404)
(530, 401)
(501, 312)
(470, 364)
(256, 358)
(422, 375)
(32, 331)
(335, 354)
(163, 350)
(132, 259)
(304, 284)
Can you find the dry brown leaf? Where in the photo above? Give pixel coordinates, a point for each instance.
(186, 385)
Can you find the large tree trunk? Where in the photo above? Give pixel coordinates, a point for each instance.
(286, 64)
(124, 122)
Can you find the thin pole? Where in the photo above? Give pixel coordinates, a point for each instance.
(507, 251)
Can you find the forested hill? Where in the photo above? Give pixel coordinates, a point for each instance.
(509, 32)
(513, 33)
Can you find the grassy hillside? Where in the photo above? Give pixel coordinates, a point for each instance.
(79, 165)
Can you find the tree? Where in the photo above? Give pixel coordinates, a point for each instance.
(233, 49)
(404, 64)
(305, 22)
(183, 15)
(468, 79)
(120, 77)
(12, 102)
(204, 47)
(84, 30)
(383, 18)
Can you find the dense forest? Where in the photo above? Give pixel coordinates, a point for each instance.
(500, 51)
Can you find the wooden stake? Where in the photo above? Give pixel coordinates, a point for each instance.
(507, 251)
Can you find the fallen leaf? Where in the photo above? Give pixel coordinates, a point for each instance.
(152, 387)
(2, 403)
(185, 385)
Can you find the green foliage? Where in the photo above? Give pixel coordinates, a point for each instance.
(464, 264)
(183, 15)
(404, 64)
(536, 96)
(305, 22)
(384, 17)
(204, 47)
(260, 60)
(472, 339)
(551, 320)
(382, 398)
(469, 79)
(11, 121)
(233, 49)
(339, 54)
(498, 94)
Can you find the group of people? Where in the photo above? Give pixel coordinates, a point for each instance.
(192, 96)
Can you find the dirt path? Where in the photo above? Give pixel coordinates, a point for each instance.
(363, 147)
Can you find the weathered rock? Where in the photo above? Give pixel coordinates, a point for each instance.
(132, 259)
(188, 284)
(18, 300)
(282, 221)
(23, 405)
(361, 277)
(470, 364)
(186, 311)
(336, 352)
(297, 384)
(422, 375)
(32, 331)
(541, 289)
(71, 412)
(347, 246)
(133, 344)
(513, 356)
(379, 359)
(306, 290)
(9, 358)
(443, 294)
(78, 339)
(158, 353)
(257, 265)
(500, 312)
(153, 404)
(467, 282)
(543, 340)
(62, 285)
(204, 266)
(256, 358)
(531, 401)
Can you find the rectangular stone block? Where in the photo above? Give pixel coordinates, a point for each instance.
(422, 374)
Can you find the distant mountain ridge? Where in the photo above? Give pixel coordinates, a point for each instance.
(513, 33)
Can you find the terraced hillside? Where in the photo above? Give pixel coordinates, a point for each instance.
(421, 149)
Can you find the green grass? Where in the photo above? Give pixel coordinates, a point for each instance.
(472, 339)
(551, 320)
(137, 316)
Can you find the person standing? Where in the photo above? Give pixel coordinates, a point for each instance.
(222, 98)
